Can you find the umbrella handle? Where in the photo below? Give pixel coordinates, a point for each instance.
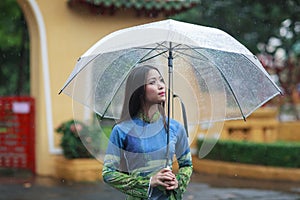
(183, 111)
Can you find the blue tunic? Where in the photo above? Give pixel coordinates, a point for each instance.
(138, 149)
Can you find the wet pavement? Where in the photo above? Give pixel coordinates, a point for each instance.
(206, 187)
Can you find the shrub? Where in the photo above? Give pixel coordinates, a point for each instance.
(278, 154)
(72, 144)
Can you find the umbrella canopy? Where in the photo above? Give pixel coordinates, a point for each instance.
(215, 75)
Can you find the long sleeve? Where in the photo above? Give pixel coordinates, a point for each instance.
(128, 184)
(184, 160)
(183, 176)
(115, 172)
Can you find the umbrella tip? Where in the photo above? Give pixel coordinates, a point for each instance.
(60, 92)
(281, 93)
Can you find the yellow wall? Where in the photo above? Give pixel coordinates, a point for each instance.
(289, 131)
(69, 34)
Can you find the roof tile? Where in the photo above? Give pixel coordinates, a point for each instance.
(148, 7)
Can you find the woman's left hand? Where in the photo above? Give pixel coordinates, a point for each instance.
(165, 178)
(172, 185)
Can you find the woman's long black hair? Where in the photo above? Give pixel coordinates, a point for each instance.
(135, 93)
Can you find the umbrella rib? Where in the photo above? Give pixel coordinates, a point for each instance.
(66, 84)
(227, 83)
(182, 49)
(149, 48)
(159, 44)
(174, 48)
(141, 61)
(152, 49)
(185, 54)
(266, 76)
(233, 93)
(119, 86)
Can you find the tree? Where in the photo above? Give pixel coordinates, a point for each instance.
(270, 29)
(14, 48)
(252, 22)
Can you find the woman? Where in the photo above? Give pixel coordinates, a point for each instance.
(135, 161)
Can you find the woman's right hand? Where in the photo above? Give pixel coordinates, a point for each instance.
(165, 178)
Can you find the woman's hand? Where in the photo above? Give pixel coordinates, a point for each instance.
(165, 178)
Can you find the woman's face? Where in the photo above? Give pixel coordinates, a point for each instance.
(155, 88)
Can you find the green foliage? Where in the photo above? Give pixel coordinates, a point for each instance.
(270, 30)
(79, 140)
(278, 154)
(249, 21)
(14, 50)
(11, 24)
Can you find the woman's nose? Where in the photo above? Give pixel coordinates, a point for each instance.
(161, 85)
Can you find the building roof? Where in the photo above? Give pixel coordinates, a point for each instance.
(149, 8)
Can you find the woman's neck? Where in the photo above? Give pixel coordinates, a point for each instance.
(149, 112)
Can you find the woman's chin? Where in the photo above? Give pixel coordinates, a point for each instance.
(162, 101)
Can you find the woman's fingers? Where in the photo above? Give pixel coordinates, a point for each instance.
(156, 181)
(168, 173)
(165, 178)
(159, 179)
(172, 185)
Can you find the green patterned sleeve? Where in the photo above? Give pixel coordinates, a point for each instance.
(114, 170)
(184, 174)
(135, 186)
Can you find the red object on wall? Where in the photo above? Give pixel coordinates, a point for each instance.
(17, 132)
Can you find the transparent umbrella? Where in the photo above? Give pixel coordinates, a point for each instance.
(215, 76)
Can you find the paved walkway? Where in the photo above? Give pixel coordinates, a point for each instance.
(201, 187)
